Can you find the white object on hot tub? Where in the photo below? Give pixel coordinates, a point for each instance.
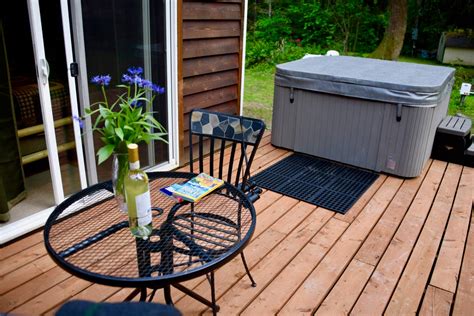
(332, 53)
(328, 53)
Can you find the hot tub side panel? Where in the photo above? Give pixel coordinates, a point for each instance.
(358, 132)
(284, 118)
(338, 128)
(404, 143)
(406, 146)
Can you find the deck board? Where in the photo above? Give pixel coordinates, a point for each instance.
(407, 246)
(379, 289)
(436, 302)
(464, 298)
(347, 290)
(446, 272)
(317, 285)
(410, 287)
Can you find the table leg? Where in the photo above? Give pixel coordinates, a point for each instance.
(132, 295)
(213, 305)
(143, 294)
(135, 292)
(167, 292)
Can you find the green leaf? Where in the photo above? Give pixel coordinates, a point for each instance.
(105, 152)
(104, 111)
(158, 136)
(119, 132)
(145, 137)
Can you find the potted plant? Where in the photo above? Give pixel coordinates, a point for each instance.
(124, 121)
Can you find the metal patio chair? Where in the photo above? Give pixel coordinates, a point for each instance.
(239, 135)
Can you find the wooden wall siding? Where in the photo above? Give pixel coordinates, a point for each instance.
(210, 60)
(211, 47)
(206, 65)
(211, 81)
(210, 29)
(211, 11)
(210, 98)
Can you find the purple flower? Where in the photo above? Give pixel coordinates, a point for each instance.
(136, 104)
(135, 71)
(156, 88)
(132, 79)
(126, 78)
(145, 84)
(103, 80)
(79, 120)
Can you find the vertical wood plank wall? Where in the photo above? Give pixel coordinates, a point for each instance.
(209, 60)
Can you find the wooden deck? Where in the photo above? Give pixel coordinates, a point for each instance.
(406, 246)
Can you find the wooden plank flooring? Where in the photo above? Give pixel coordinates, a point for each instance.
(406, 247)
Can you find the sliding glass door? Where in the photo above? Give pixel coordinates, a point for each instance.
(111, 36)
(44, 143)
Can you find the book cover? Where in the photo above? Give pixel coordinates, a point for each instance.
(194, 189)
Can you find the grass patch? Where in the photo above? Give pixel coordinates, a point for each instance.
(258, 94)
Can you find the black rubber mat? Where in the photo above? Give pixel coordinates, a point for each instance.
(317, 181)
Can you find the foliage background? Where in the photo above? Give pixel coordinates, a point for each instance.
(284, 30)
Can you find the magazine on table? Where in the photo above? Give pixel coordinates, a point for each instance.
(194, 189)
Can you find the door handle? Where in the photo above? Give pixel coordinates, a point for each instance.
(44, 71)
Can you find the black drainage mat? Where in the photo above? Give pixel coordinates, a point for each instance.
(317, 181)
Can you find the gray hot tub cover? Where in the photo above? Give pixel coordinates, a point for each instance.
(380, 80)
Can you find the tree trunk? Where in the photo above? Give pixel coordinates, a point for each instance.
(394, 35)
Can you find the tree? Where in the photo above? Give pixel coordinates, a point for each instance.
(394, 35)
(347, 15)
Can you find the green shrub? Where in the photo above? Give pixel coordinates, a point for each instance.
(311, 24)
(272, 29)
(300, 27)
(260, 52)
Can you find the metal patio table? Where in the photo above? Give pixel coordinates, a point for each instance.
(88, 236)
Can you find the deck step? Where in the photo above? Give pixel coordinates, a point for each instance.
(455, 125)
(453, 137)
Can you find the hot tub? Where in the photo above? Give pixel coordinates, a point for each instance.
(375, 114)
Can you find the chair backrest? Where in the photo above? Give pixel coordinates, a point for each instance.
(237, 137)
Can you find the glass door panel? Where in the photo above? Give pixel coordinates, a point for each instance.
(59, 92)
(116, 35)
(19, 83)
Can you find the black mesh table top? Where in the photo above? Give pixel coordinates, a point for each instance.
(88, 235)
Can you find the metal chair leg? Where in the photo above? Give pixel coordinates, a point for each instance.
(215, 309)
(247, 270)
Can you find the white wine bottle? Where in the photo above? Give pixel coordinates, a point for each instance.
(137, 195)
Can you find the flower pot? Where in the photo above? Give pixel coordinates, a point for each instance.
(119, 171)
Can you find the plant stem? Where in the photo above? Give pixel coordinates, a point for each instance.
(105, 96)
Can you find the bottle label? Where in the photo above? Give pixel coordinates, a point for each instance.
(143, 204)
(134, 165)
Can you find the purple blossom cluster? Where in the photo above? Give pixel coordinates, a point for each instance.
(102, 80)
(133, 76)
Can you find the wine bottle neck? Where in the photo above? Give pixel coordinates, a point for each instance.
(135, 165)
